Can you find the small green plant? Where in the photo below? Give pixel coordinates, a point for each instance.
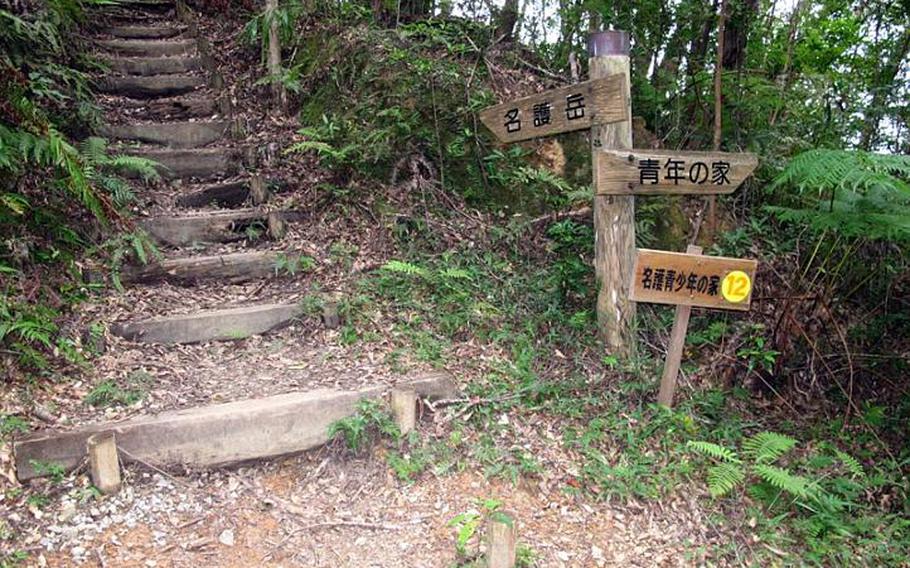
(123, 392)
(372, 420)
(292, 264)
(54, 471)
(467, 523)
(11, 424)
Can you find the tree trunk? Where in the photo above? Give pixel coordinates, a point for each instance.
(882, 88)
(506, 19)
(736, 33)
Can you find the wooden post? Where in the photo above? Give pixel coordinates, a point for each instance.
(502, 540)
(675, 348)
(103, 462)
(258, 190)
(277, 227)
(279, 96)
(614, 216)
(404, 408)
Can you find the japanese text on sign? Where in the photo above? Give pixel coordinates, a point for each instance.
(693, 280)
(574, 109)
(673, 171)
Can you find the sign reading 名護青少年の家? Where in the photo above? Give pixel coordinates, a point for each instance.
(643, 172)
(693, 280)
(576, 107)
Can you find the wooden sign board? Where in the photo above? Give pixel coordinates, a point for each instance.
(693, 280)
(576, 107)
(650, 172)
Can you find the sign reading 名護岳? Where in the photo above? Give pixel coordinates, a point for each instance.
(576, 107)
(642, 172)
(693, 280)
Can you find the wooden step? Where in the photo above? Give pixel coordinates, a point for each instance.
(193, 105)
(213, 325)
(193, 163)
(171, 134)
(218, 434)
(144, 32)
(139, 87)
(226, 195)
(148, 66)
(233, 268)
(216, 227)
(149, 47)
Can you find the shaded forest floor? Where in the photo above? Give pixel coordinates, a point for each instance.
(550, 427)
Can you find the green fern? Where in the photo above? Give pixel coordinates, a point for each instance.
(724, 477)
(404, 268)
(850, 463)
(767, 447)
(713, 451)
(784, 480)
(858, 194)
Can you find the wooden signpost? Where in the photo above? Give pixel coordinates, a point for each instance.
(688, 280)
(576, 107)
(662, 277)
(647, 172)
(626, 275)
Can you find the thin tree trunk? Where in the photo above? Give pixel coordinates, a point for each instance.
(788, 58)
(882, 88)
(718, 109)
(279, 95)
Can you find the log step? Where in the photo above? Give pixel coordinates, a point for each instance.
(149, 47)
(233, 268)
(217, 434)
(213, 325)
(143, 32)
(151, 87)
(171, 134)
(193, 163)
(148, 66)
(215, 227)
(226, 195)
(196, 105)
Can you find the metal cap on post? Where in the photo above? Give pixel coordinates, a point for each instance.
(610, 42)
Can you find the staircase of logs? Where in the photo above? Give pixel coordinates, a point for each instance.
(167, 104)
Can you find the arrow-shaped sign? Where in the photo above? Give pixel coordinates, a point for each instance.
(576, 107)
(643, 172)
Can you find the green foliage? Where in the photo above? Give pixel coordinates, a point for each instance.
(121, 392)
(854, 193)
(55, 471)
(372, 420)
(467, 523)
(293, 264)
(11, 424)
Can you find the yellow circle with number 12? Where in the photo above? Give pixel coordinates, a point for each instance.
(736, 286)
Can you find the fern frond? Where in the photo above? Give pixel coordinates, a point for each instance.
(404, 268)
(850, 463)
(782, 479)
(724, 477)
(766, 447)
(713, 451)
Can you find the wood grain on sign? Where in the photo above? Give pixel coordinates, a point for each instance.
(559, 110)
(697, 280)
(644, 172)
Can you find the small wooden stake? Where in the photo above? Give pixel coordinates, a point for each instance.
(258, 190)
(277, 227)
(103, 462)
(404, 408)
(501, 545)
(675, 348)
(330, 316)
